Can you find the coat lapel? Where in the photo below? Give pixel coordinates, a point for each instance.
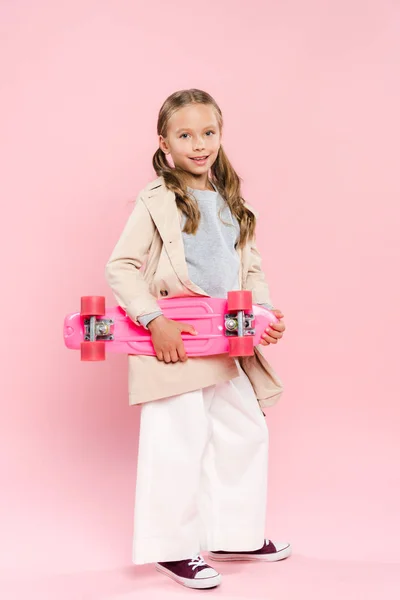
(160, 202)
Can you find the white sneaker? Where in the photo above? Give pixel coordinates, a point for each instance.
(269, 552)
(192, 573)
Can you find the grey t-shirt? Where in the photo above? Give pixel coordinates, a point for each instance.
(211, 255)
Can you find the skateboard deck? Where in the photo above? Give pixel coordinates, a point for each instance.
(220, 328)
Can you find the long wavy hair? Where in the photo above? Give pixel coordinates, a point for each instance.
(223, 175)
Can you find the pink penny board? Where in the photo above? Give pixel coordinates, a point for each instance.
(207, 315)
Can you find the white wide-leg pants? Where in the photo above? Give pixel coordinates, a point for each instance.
(202, 473)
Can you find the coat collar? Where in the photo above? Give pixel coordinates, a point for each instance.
(161, 204)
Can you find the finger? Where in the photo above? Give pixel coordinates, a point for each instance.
(187, 328)
(174, 356)
(269, 339)
(264, 343)
(167, 357)
(280, 326)
(182, 353)
(278, 313)
(273, 333)
(160, 355)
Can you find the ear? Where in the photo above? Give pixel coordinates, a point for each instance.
(163, 144)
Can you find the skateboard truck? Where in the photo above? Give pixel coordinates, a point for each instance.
(239, 324)
(97, 329)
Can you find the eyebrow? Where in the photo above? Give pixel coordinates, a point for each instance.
(188, 128)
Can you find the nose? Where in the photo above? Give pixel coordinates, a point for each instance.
(198, 143)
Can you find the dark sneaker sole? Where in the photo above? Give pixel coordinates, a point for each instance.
(273, 557)
(197, 584)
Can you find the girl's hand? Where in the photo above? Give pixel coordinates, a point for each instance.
(274, 332)
(167, 339)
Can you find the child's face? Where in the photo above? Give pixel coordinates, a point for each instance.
(193, 138)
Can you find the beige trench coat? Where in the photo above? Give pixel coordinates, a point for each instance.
(148, 263)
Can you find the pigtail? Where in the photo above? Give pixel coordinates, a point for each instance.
(227, 182)
(174, 179)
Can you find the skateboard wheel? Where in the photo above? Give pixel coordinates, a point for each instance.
(241, 346)
(93, 306)
(93, 351)
(240, 300)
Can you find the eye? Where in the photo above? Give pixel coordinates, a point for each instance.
(184, 136)
(210, 132)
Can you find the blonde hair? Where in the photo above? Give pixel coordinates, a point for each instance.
(223, 175)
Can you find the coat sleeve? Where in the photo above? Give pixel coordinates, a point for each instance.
(255, 278)
(123, 268)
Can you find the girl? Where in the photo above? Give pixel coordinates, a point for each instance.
(202, 462)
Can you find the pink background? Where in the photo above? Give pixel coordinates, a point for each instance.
(310, 93)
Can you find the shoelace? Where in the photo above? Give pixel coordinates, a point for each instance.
(196, 561)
